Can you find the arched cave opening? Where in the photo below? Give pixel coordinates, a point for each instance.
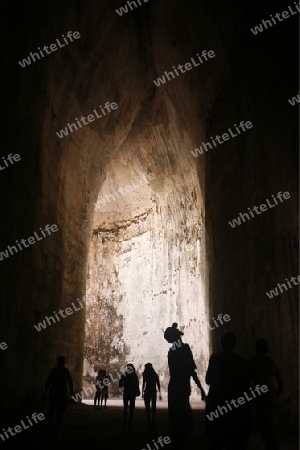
(163, 251)
(146, 262)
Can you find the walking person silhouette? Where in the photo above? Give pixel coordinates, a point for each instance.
(264, 370)
(130, 382)
(228, 379)
(98, 390)
(182, 367)
(59, 379)
(104, 390)
(149, 393)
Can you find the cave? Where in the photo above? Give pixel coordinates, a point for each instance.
(146, 265)
(144, 138)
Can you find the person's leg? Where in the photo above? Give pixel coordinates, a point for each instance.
(237, 446)
(147, 407)
(131, 410)
(216, 444)
(154, 410)
(125, 403)
(269, 439)
(98, 394)
(95, 399)
(105, 398)
(51, 413)
(181, 420)
(264, 416)
(60, 411)
(61, 407)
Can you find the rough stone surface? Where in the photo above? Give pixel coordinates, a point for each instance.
(189, 202)
(146, 258)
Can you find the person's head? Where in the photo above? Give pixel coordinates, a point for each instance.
(261, 346)
(103, 372)
(228, 341)
(100, 372)
(130, 369)
(61, 361)
(148, 367)
(172, 333)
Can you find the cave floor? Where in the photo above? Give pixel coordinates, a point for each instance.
(85, 425)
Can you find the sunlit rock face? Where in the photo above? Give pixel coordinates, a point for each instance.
(146, 258)
(133, 253)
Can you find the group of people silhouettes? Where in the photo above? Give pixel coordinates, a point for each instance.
(229, 377)
(151, 385)
(101, 394)
(130, 383)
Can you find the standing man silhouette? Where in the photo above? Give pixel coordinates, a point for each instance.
(182, 367)
(130, 382)
(59, 379)
(264, 370)
(104, 390)
(228, 379)
(98, 390)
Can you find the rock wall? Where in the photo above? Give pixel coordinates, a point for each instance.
(146, 260)
(58, 180)
(246, 262)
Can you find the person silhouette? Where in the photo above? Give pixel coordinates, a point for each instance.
(98, 390)
(181, 367)
(130, 382)
(265, 371)
(104, 390)
(149, 393)
(227, 377)
(58, 380)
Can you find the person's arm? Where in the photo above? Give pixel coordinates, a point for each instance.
(48, 382)
(158, 387)
(47, 385)
(137, 387)
(158, 383)
(121, 381)
(70, 382)
(245, 376)
(198, 383)
(210, 371)
(192, 365)
(279, 381)
(144, 385)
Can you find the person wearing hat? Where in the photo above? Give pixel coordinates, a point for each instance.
(182, 367)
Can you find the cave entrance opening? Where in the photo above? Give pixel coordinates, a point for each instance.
(146, 265)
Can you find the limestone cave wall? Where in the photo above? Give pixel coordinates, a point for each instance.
(58, 181)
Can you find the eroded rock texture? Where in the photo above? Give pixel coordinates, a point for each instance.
(163, 252)
(146, 256)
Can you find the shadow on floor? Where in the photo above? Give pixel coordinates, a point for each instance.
(85, 425)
